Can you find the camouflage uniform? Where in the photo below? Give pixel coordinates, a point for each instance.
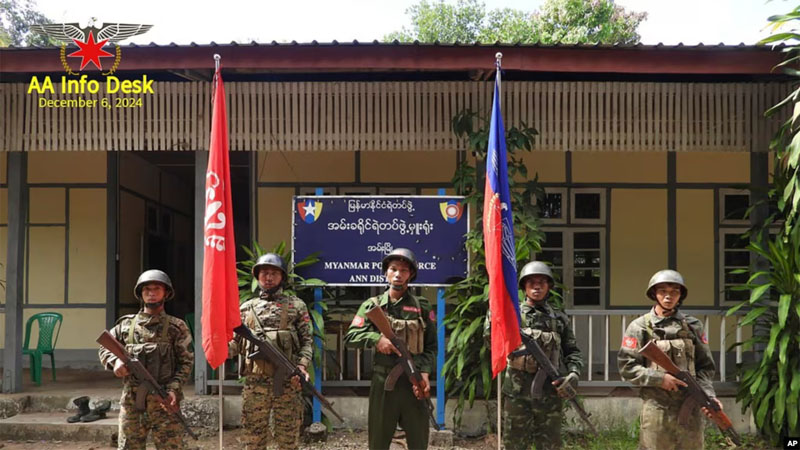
(528, 420)
(282, 320)
(682, 338)
(163, 344)
(413, 321)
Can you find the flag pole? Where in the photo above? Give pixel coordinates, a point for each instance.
(498, 59)
(499, 419)
(221, 370)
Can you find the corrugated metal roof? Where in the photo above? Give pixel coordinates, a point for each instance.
(376, 43)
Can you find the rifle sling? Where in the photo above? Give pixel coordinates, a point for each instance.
(392, 376)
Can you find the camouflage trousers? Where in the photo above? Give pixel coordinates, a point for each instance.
(387, 409)
(134, 425)
(660, 429)
(527, 422)
(259, 402)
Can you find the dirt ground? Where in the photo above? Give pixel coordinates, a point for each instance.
(338, 440)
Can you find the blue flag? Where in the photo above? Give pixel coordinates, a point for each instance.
(498, 241)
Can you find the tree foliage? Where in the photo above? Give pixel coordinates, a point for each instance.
(16, 17)
(564, 21)
(771, 385)
(586, 21)
(467, 370)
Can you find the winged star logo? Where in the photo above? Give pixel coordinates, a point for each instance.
(90, 41)
(309, 210)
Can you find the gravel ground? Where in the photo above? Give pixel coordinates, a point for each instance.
(338, 440)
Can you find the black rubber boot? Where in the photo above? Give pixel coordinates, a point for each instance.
(83, 409)
(99, 411)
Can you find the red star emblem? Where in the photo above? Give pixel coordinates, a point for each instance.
(90, 51)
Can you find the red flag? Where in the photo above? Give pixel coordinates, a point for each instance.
(220, 286)
(498, 242)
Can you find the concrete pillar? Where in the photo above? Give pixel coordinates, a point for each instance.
(15, 269)
(200, 366)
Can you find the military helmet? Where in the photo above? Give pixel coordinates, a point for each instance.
(154, 275)
(270, 259)
(403, 254)
(666, 276)
(535, 268)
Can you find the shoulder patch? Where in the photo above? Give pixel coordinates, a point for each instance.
(432, 315)
(358, 321)
(704, 338)
(629, 342)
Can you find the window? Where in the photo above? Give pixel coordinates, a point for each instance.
(733, 205)
(587, 268)
(576, 251)
(576, 256)
(733, 254)
(553, 206)
(588, 206)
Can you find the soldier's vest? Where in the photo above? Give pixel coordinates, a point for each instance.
(157, 356)
(680, 348)
(282, 337)
(411, 331)
(549, 341)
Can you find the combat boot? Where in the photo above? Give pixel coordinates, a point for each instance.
(99, 411)
(83, 409)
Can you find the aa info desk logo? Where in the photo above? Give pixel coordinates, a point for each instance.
(90, 42)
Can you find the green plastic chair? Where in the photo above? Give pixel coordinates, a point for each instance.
(189, 319)
(49, 327)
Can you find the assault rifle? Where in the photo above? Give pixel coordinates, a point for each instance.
(147, 381)
(547, 369)
(405, 362)
(283, 367)
(697, 396)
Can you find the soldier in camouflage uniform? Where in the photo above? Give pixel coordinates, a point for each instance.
(412, 320)
(163, 344)
(680, 337)
(535, 417)
(282, 320)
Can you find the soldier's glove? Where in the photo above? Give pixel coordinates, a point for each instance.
(566, 385)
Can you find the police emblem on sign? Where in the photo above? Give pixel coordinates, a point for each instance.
(451, 210)
(309, 210)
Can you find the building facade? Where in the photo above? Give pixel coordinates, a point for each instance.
(645, 153)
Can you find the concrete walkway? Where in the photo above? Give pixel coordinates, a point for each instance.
(611, 408)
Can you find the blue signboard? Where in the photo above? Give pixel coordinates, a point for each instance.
(353, 233)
